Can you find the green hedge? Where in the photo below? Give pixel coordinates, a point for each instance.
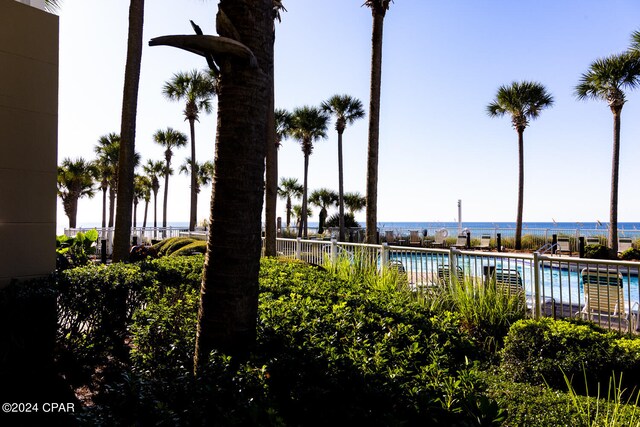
(545, 350)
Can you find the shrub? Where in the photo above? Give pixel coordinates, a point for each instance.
(598, 252)
(349, 221)
(630, 254)
(197, 246)
(546, 350)
(171, 244)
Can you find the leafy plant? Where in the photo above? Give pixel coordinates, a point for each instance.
(77, 249)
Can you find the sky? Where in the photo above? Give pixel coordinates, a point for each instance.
(443, 61)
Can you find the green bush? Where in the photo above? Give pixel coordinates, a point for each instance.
(545, 350)
(197, 246)
(598, 252)
(630, 254)
(171, 244)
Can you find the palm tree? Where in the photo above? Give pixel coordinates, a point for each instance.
(635, 43)
(204, 175)
(169, 139)
(228, 312)
(323, 198)
(296, 210)
(347, 110)
(523, 101)
(52, 5)
(289, 189)
(141, 190)
(196, 89)
(108, 149)
(355, 202)
(154, 171)
(378, 10)
(308, 124)
(271, 153)
(282, 125)
(605, 80)
(75, 180)
(127, 159)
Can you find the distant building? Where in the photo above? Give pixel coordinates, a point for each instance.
(28, 139)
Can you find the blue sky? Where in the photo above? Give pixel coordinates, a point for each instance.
(443, 61)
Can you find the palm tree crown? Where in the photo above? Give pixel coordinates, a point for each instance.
(635, 42)
(283, 125)
(193, 87)
(75, 180)
(378, 6)
(522, 100)
(289, 189)
(607, 77)
(355, 202)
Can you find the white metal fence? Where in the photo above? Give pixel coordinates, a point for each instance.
(558, 286)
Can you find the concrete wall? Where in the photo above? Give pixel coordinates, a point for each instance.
(28, 140)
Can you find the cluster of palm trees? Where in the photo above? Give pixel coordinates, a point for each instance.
(307, 125)
(605, 80)
(290, 189)
(196, 89)
(79, 178)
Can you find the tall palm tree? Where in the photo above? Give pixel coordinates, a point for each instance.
(271, 153)
(195, 89)
(289, 189)
(227, 317)
(127, 158)
(204, 175)
(523, 101)
(154, 171)
(142, 190)
(635, 43)
(323, 198)
(378, 10)
(75, 180)
(169, 139)
(355, 202)
(347, 110)
(308, 124)
(282, 125)
(605, 80)
(296, 210)
(108, 151)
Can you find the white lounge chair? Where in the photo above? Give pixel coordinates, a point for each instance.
(461, 241)
(592, 241)
(604, 295)
(439, 238)
(390, 237)
(564, 245)
(485, 242)
(625, 243)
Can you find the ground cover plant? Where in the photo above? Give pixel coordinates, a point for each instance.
(336, 344)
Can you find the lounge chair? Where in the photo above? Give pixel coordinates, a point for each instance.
(444, 274)
(564, 245)
(592, 241)
(439, 238)
(461, 241)
(485, 242)
(604, 295)
(414, 238)
(624, 243)
(510, 281)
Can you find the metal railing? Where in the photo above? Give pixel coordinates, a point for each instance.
(554, 286)
(139, 235)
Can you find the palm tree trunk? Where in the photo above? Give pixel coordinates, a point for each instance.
(112, 205)
(71, 209)
(104, 207)
(166, 195)
(302, 232)
(126, 160)
(229, 293)
(271, 163)
(615, 167)
(135, 211)
(146, 210)
(520, 188)
(374, 127)
(340, 189)
(194, 178)
(288, 211)
(155, 209)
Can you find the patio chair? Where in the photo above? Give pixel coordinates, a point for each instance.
(564, 245)
(444, 274)
(461, 241)
(414, 238)
(510, 281)
(624, 243)
(592, 241)
(439, 238)
(604, 295)
(485, 242)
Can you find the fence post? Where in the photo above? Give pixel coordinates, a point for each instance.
(103, 251)
(577, 238)
(468, 240)
(554, 243)
(536, 285)
(581, 246)
(453, 262)
(499, 242)
(384, 256)
(334, 250)
(298, 247)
